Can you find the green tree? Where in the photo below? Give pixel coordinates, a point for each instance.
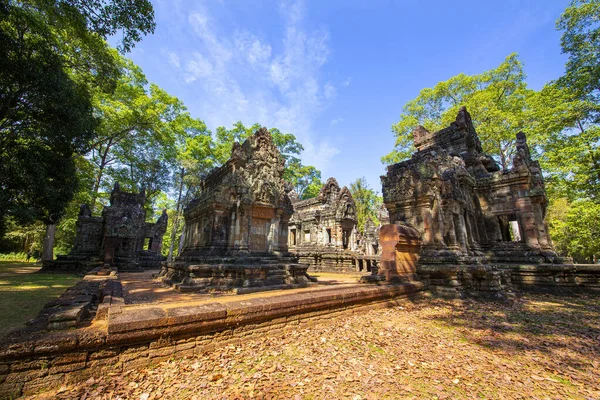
(580, 24)
(366, 201)
(305, 179)
(496, 99)
(45, 117)
(136, 143)
(194, 149)
(575, 228)
(53, 55)
(576, 148)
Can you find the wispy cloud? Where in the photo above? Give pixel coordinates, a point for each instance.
(336, 121)
(240, 77)
(346, 83)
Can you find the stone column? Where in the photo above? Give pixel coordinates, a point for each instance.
(452, 241)
(540, 226)
(528, 223)
(462, 232)
(245, 226)
(275, 222)
(427, 226)
(438, 224)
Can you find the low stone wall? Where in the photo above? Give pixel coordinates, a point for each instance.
(456, 281)
(502, 280)
(555, 277)
(124, 337)
(338, 262)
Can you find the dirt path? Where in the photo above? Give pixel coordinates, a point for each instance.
(541, 347)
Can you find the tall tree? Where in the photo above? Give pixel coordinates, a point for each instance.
(136, 138)
(497, 100)
(53, 54)
(578, 146)
(45, 117)
(367, 202)
(194, 147)
(580, 24)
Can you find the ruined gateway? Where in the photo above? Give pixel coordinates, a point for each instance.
(236, 230)
(121, 237)
(322, 232)
(473, 217)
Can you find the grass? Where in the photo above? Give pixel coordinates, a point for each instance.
(24, 291)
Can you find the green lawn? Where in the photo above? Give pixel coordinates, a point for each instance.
(24, 291)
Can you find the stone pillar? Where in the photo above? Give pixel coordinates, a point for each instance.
(427, 226)
(438, 224)
(528, 223)
(245, 228)
(462, 232)
(274, 231)
(452, 241)
(540, 226)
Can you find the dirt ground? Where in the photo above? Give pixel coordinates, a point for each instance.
(541, 347)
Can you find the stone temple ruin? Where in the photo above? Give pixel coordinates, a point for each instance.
(457, 225)
(236, 231)
(322, 232)
(473, 217)
(121, 237)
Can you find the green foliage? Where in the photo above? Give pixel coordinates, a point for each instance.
(141, 135)
(305, 179)
(45, 117)
(496, 99)
(85, 18)
(575, 228)
(53, 57)
(366, 201)
(580, 24)
(575, 153)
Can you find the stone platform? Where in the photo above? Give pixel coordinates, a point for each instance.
(136, 321)
(238, 274)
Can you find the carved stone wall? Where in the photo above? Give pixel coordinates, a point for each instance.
(468, 211)
(243, 206)
(322, 231)
(236, 230)
(120, 237)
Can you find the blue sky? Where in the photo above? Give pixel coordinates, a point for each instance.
(337, 73)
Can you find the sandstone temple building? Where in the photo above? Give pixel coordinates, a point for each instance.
(236, 230)
(120, 237)
(468, 211)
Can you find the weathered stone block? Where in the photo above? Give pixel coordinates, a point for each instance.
(161, 352)
(70, 358)
(67, 368)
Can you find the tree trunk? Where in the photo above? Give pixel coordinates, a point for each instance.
(103, 163)
(181, 240)
(176, 219)
(48, 250)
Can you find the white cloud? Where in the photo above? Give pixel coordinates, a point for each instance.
(330, 91)
(198, 67)
(240, 77)
(336, 121)
(174, 59)
(346, 83)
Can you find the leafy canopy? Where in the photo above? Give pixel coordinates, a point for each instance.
(496, 100)
(366, 201)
